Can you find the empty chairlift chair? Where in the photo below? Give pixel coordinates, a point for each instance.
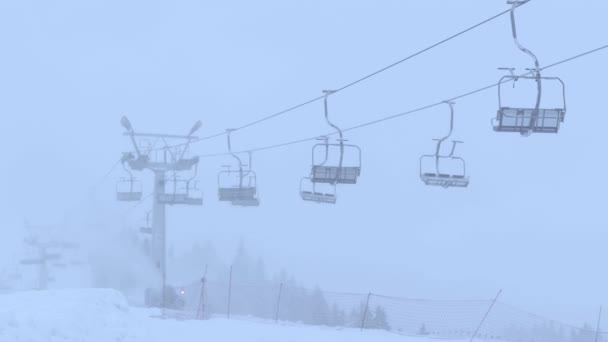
(343, 172)
(444, 170)
(310, 187)
(528, 120)
(184, 192)
(347, 168)
(181, 192)
(239, 187)
(332, 164)
(128, 189)
(309, 191)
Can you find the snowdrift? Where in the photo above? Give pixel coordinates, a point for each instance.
(97, 315)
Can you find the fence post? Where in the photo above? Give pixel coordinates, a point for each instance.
(200, 312)
(229, 293)
(365, 311)
(599, 320)
(485, 316)
(276, 315)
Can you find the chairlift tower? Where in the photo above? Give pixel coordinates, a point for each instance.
(44, 257)
(41, 260)
(169, 159)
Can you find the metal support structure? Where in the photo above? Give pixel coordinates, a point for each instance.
(340, 134)
(44, 257)
(172, 160)
(239, 161)
(441, 140)
(535, 71)
(41, 260)
(159, 243)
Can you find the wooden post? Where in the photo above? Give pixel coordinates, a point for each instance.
(229, 293)
(597, 331)
(200, 313)
(365, 311)
(276, 315)
(485, 316)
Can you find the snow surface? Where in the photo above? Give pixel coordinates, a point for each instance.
(104, 315)
(64, 315)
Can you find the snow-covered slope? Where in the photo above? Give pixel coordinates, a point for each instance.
(238, 330)
(64, 315)
(103, 315)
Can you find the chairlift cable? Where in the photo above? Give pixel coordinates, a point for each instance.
(420, 109)
(137, 204)
(355, 82)
(101, 180)
(575, 57)
(107, 174)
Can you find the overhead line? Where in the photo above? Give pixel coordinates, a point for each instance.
(426, 49)
(362, 79)
(140, 202)
(494, 85)
(575, 57)
(101, 180)
(108, 173)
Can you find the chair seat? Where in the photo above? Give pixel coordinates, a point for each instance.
(525, 120)
(128, 196)
(335, 174)
(179, 199)
(445, 180)
(232, 194)
(318, 197)
(252, 202)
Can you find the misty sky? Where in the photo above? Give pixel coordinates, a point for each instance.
(532, 221)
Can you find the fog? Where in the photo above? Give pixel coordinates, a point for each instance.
(531, 222)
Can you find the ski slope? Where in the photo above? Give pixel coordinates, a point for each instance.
(104, 315)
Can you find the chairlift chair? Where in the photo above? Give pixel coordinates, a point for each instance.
(184, 192)
(456, 175)
(323, 173)
(441, 178)
(336, 173)
(239, 187)
(128, 189)
(528, 120)
(314, 195)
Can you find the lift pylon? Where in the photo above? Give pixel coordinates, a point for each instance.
(167, 159)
